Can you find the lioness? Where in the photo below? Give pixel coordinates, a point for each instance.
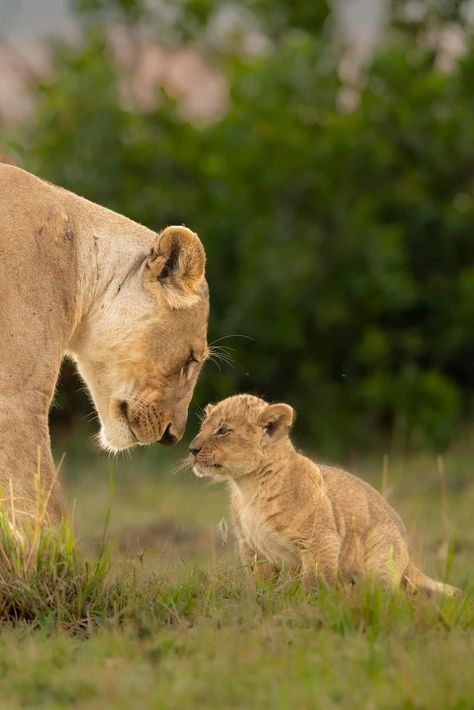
(289, 511)
(128, 305)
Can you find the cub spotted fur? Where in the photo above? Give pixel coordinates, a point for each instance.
(291, 512)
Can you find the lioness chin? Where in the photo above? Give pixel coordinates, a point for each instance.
(291, 512)
(128, 305)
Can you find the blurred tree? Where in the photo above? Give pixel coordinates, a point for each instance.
(109, 10)
(181, 21)
(340, 242)
(418, 15)
(275, 17)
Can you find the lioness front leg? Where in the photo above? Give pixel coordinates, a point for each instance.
(29, 489)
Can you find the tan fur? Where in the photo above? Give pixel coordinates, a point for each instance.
(128, 305)
(291, 512)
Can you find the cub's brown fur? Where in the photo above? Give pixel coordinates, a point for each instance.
(291, 512)
(129, 305)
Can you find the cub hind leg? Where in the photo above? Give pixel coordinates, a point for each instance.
(320, 560)
(385, 557)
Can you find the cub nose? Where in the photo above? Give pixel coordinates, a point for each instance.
(194, 450)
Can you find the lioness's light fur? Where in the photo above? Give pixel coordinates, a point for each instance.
(130, 306)
(289, 511)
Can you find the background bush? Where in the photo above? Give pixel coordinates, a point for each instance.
(338, 219)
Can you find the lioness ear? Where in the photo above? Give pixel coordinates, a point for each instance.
(176, 264)
(276, 420)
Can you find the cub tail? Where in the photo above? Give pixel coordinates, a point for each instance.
(415, 581)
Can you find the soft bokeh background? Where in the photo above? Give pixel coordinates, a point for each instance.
(325, 154)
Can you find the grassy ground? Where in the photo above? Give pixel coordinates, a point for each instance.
(180, 625)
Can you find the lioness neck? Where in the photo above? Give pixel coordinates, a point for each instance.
(110, 249)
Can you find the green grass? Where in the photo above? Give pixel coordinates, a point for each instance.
(166, 617)
(46, 581)
(211, 640)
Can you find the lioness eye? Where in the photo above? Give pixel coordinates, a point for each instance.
(191, 358)
(188, 362)
(222, 431)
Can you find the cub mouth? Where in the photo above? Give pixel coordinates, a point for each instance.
(200, 469)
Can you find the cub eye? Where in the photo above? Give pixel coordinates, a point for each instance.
(222, 431)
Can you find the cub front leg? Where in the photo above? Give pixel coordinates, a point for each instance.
(262, 569)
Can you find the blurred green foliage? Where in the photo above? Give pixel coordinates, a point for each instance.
(340, 241)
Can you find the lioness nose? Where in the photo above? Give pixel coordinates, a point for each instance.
(168, 439)
(194, 450)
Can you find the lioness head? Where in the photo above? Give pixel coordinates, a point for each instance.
(141, 348)
(238, 435)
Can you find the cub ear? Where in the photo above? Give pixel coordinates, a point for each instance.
(276, 420)
(176, 264)
(208, 409)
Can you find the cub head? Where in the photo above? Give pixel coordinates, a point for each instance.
(238, 435)
(141, 347)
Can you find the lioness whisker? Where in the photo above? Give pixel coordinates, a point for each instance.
(222, 358)
(232, 335)
(220, 349)
(218, 355)
(215, 362)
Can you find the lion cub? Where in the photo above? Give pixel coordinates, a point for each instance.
(291, 512)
